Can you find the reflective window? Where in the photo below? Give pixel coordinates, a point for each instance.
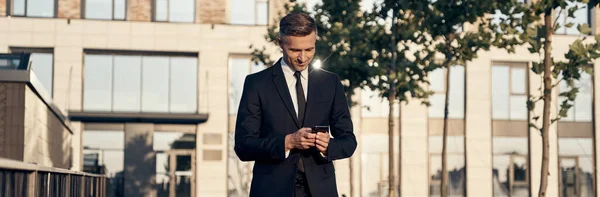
(34, 8)
(249, 12)
(126, 83)
(173, 149)
(455, 165)
(509, 95)
(174, 10)
(581, 111)
(580, 16)
(103, 154)
(183, 75)
(42, 65)
(130, 83)
(105, 9)
(97, 83)
(239, 68)
(510, 166)
(576, 161)
(456, 102)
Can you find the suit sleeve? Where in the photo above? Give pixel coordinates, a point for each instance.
(343, 144)
(249, 146)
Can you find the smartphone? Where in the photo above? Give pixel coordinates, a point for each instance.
(323, 129)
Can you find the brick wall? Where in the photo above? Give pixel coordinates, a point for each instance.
(139, 10)
(211, 11)
(3, 7)
(69, 8)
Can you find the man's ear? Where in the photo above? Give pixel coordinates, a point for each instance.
(279, 41)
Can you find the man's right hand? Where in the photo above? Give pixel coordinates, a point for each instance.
(301, 139)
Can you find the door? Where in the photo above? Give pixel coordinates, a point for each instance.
(177, 179)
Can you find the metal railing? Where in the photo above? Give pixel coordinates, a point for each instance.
(19, 179)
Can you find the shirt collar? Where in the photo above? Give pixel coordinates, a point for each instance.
(287, 69)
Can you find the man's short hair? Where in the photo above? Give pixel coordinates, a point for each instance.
(297, 24)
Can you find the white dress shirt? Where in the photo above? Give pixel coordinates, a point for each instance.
(290, 79)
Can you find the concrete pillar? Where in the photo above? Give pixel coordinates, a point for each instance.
(140, 163)
(414, 150)
(478, 133)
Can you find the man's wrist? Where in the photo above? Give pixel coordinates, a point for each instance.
(288, 143)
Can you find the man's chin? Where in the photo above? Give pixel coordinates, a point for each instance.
(300, 67)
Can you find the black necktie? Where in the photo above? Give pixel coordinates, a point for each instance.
(300, 98)
(301, 106)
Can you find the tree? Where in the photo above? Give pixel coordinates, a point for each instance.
(442, 41)
(343, 44)
(539, 29)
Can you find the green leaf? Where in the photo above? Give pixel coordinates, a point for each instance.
(584, 29)
(578, 48)
(537, 67)
(569, 25)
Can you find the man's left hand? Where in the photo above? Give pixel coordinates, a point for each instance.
(322, 142)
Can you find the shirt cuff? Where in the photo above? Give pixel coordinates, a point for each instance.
(287, 153)
(322, 155)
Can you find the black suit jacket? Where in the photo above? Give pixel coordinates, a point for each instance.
(266, 115)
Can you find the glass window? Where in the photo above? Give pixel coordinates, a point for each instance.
(119, 9)
(581, 111)
(175, 10)
(456, 102)
(97, 83)
(105, 9)
(42, 65)
(510, 167)
(169, 145)
(126, 87)
(455, 165)
(249, 12)
(581, 16)
(155, 84)
(184, 87)
(239, 68)
(509, 97)
(34, 8)
(103, 154)
(576, 160)
(130, 83)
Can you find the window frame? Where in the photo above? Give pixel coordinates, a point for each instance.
(154, 7)
(256, 15)
(112, 18)
(142, 54)
(10, 10)
(511, 66)
(443, 92)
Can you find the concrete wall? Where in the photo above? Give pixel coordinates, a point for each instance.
(47, 140)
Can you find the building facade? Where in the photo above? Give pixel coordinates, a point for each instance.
(151, 88)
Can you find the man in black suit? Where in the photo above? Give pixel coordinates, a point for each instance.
(279, 106)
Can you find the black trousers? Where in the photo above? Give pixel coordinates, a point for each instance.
(301, 188)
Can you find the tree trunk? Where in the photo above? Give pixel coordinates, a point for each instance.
(547, 99)
(391, 100)
(399, 145)
(444, 188)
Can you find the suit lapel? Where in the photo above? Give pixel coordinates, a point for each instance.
(284, 92)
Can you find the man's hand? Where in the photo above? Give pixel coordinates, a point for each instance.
(301, 139)
(322, 142)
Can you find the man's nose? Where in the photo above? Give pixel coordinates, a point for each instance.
(302, 56)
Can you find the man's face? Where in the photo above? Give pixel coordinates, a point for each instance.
(298, 51)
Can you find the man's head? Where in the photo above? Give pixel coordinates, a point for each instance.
(297, 38)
